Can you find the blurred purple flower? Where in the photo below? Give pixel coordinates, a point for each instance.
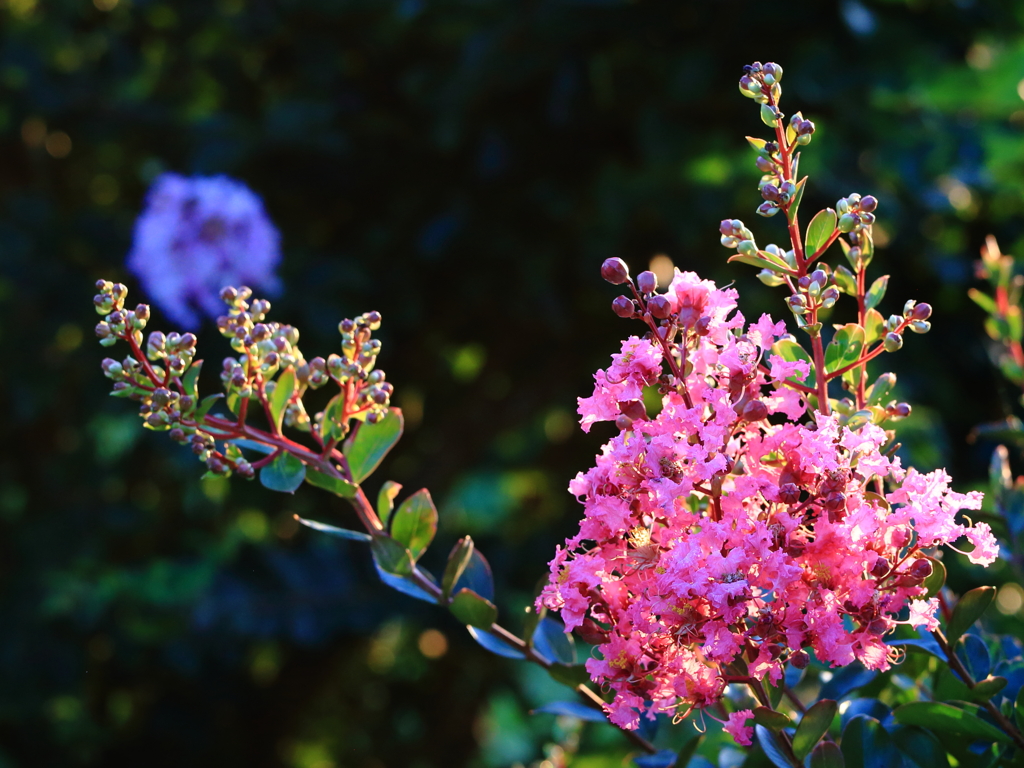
(197, 235)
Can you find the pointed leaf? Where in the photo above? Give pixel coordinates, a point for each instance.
(845, 280)
(367, 448)
(204, 407)
(762, 260)
(968, 610)
(876, 292)
(866, 744)
(1018, 708)
(343, 533)
(551, 641)
(405, 584)
(768, 116)
(774, 748)
(984, 301)
(798, 196)
(920, 748)
(819, 230)
(687, 751)
(757, 144)
(190, 383)
(459, 558)
(769, 718)
(335, 485)
(386, 500)
(935, 580)
(813, 726)
(252, 445)
(284, 474)
(945, 718)
(390, 556)
(476, 576)
(571, 675)
(415, 523)
(284, 388)
(573, 709)
(827, 755)
(494, 645)
(469, 608)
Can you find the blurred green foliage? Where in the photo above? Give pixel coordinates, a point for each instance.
(462, 167)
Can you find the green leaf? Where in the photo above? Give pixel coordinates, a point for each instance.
(935, 581)
(551, 641)
(876, 292)
(335, 485)
(386, 500)
(874, 326)
(984, 301)
(757, 144)
(968, 610)
(769, 718)
(204, 407)
(367, 448)
(762, 260)
(569, 674)
(866, 744)
(284, 474)
(987, 688)
(343, 533)
(233, 401)
(688, 750)
(827, 755)
(774, 748)
(390, 556)
(819, 230)
(457, 562)
(845, 280)
(768, 116)
(415, 523)
(813, 726)
(469, 608)
(845, 348)
(284, 388)
(945, 718)
(920, 747)
(794, 203)
(190, 384)
(1018, 708)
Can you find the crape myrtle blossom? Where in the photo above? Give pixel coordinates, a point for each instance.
(197, 235)
(722, 537)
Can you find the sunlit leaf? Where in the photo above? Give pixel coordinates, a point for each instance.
(367, 448)
(284, 388)
(968, 610)
(814, 724)
(415, 523)
(472, 609)
(946, 718)
(284, 474)
(819, 230)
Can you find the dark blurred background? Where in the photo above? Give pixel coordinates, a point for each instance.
(464, 168)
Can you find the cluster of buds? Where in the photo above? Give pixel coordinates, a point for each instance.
(117, 322)
(856, 213)
(801, 129)
(175, 350)
(365, 395)
(775, 195)
(814, 291)
(757, 78)
(915, 318)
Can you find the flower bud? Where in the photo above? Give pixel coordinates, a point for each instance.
(659, 307)
(880, 568)
(789, 493)
(901, 410)
(703, 326)
(767, 209)
(893, 342)
(770, 192)
(868, 203)
(624, 307)
(647, 282)
(615, 271)
(755, 410)
(847, 222)
(747, 247)
(800, 659)
(797, 303)
(921, 569)
(633, 409)
(921, 312)
(623, 422)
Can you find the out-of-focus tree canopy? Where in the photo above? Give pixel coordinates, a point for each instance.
(462, 167)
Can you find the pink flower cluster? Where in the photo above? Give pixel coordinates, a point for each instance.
(718, 542)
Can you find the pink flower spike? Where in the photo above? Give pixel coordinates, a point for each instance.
(741, 734)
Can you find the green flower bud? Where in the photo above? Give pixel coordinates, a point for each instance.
(847, 222)
(747, 248)
(920, 326)
(893, 342)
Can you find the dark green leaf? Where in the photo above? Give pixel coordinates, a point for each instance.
(866, 744)
(919, 645)
(190, 384)
(968, 610)
(335, 485)
(876, 292)
(973, 652)
(870, 707)
(845, 680)
(476, 576)
(386, 500)
(284, 474)
(344, 533)
(459, 558)
(946, 718)
(572, 709)
(284, 388)
(469, 608)
(819, 230)
(920, 747)
(415, 523)
(664, 758)
(769, 718)
(551, 641)
(987, 688)
(370, 444)
(688, 750)
(1018, 708)
(390, 556)
(569, 674)
(949, 687)
(935, 581)
(813, 726)
(774, 748)
(494, 645)
(204, 407)
(405, 584)
(827, 755)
